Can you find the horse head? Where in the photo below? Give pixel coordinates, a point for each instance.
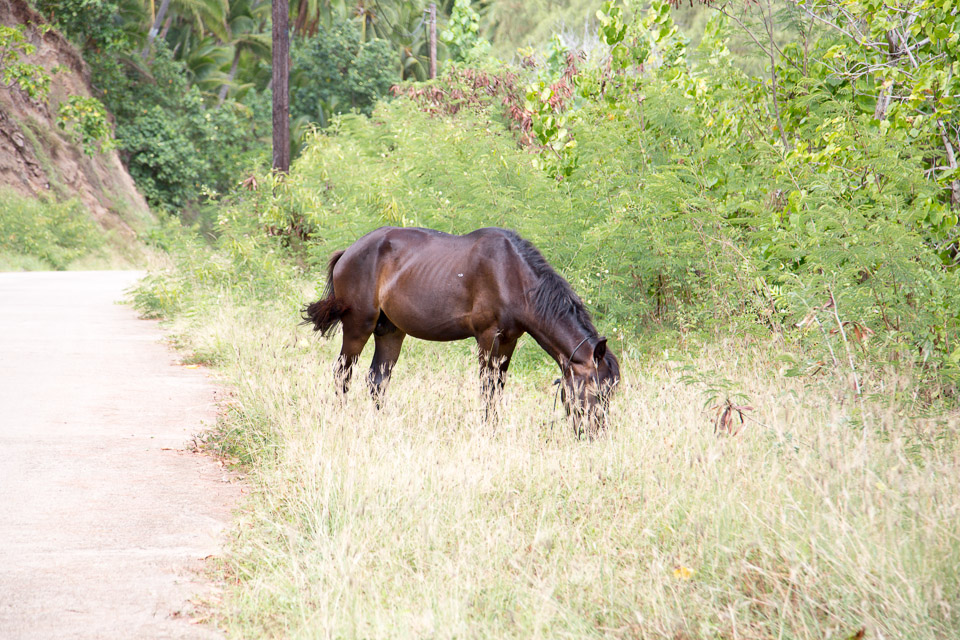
(589, 380)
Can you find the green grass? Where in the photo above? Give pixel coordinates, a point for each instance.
(13, 261)
(823, 516)
(38, 234)
(44, 233)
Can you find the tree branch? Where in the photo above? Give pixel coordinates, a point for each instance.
(768, 23)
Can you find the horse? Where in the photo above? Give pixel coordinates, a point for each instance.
(490, 284)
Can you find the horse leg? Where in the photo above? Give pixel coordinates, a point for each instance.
(494, 353)
(384, 357)
(355, 336)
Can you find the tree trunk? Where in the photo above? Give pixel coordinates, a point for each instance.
(281, 87)
(433, 40)
(300, 24)
(155, 28)
(166, 27)
(768, 23)
(233, 71)
(952, 162)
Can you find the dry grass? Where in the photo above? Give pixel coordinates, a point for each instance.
(816, 521)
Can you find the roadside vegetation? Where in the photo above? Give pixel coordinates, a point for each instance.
(774, 257)
(820, 518)
(37, 234)
(758, 204)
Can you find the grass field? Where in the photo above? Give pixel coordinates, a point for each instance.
(823, 517)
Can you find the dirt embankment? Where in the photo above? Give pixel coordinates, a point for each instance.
(36, 157)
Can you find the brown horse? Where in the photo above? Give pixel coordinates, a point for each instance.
(490, 284)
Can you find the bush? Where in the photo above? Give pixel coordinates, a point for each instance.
(462, 34)
(32, 79)
(55, 232)
(337, 72)
(173, 144)
(90, 24)
(86, 119)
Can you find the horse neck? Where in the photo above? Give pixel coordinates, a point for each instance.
(559, 337)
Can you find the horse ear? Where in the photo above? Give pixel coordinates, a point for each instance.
(600, 349)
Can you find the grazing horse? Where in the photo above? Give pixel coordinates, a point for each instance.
(490, 284)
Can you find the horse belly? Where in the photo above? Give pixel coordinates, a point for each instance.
(427, 321)
(431, 291)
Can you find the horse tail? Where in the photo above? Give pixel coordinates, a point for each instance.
(325, 314)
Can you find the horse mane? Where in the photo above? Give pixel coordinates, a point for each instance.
(553, 295)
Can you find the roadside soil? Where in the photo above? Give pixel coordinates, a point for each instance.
(106, 514)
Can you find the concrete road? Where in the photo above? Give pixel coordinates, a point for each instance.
(105, 515)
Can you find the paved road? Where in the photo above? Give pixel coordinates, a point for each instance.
(104, 515)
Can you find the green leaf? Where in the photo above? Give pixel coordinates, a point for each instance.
(940, 32)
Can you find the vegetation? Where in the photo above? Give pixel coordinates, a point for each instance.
(163, 68)
(44, 234)
(337, 71)
(83, 115)
(188, 82)
(770, 241)
(86, 118)
(174, 147)
(817, 519)
(29, 78)
(462, 34)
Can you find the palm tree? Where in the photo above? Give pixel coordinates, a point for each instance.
(209, 15)
(204, 57)
(245, 25)
(404, 25)
(308, 15)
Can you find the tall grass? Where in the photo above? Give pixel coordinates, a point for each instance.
(40, 233)
(821, 518)
(43, 233)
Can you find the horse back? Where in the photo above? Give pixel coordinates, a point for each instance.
(406, 247)
(431, 284)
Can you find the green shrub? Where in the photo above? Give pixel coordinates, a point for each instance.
(55, 232)
(86, 119)
(174, 146)
(337, 72)
(91, 24)
(242, 259)
(32, 79)
(462, 35)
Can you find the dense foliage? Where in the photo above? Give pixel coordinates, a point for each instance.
(31, 79)
(188, 86)
(336, 71)
(172, 144)
(56, 233)
(346, 55)
(86, 120)
(462, 35)
(95, 25)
